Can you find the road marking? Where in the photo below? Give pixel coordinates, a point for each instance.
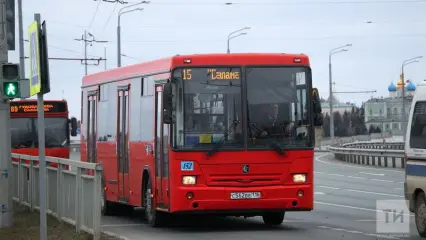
(382, 180)
(319, 193)
(357, 232)
(334, 188)
(318, 172)
(352, 207)
(398, 188)
(318, 159)
(375, 193)
(357, 177)
(334, 174)
(123, 225)
(374, 174)
(400, 182)
(370, 220)
(361, 191)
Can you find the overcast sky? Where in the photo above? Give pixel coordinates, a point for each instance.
(397, 32)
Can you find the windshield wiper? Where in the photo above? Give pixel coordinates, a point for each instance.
(222, 140)
(272, 142)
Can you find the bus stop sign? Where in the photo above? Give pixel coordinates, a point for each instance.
(35, 73)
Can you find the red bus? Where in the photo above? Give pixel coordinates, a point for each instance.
(186, 134)
(58, 128)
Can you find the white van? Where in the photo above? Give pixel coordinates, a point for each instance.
(415, 159)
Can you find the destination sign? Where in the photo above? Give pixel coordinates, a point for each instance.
(31, 107)
(212, 74)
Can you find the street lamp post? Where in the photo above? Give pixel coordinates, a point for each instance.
(332, 52)
(406, 62)
(121, 12)
(240, 33)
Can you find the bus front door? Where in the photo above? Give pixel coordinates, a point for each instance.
(161, 153)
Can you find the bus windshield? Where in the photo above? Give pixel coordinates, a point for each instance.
(24, 132)
(277, 103)
(207, 108)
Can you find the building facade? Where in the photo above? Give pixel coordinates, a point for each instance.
(386, 113)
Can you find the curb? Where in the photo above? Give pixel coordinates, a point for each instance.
(113, 235)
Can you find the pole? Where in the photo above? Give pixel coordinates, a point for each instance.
(21, 42)
(403, 103)
(228, 51)
(118, 43)
(330, 83)
(41, 158)
(105, 61)
(6, 201)
(85, 52)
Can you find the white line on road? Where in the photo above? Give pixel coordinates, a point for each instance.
(375, 193)
(374, 174)
(123, 225)
(356, 177)
(352, 207)
(334, 188)
(319, 193)
(382, 180)
(334, 174)
(361, 191)
(356, 232)
(318, 159)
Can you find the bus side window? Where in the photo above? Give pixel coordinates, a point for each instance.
(418, 126)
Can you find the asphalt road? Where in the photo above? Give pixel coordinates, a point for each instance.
(345, 208)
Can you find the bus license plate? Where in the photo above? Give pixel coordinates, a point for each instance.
(245, 195)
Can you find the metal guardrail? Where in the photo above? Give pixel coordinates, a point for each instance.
(343, 140)
(382, 154)
(72, 196)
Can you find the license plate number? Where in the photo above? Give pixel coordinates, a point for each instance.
(245, 195)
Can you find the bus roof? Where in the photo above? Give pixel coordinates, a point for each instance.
(164, 65)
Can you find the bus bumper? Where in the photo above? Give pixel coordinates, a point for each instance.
(218, 199)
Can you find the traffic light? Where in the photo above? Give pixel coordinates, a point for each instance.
(10, 80)
(10, 24)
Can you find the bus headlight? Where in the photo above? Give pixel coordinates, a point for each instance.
(299, 178)
(189, 180)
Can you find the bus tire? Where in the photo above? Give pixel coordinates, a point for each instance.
(420, 211)
(107, 207)
(273, 218)
(155, 218)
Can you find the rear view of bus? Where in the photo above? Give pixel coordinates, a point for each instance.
(242, 135)
(24, 128)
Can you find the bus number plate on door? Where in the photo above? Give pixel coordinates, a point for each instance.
(245, 195)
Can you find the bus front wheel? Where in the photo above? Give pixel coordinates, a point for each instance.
(420, 214)
(273, 218)
(155, 218)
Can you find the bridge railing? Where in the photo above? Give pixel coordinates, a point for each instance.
(73, 197)
(344, 140)
(383, 154)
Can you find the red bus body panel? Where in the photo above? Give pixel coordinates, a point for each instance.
(217, 175)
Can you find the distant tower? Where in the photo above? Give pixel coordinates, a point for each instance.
(399, 88)
(411, 88)
(392, 90)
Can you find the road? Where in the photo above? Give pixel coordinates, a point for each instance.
(345, 208)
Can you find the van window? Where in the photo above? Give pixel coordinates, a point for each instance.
(418, 126)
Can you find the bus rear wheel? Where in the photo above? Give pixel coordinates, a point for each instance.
(420, 214)
(273, 218)
(155, 218)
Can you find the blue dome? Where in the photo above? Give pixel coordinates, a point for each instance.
(411, 87)
(392, 88)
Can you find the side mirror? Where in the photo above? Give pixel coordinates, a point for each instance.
(73, 122)
(167, 103)
(317, 110)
